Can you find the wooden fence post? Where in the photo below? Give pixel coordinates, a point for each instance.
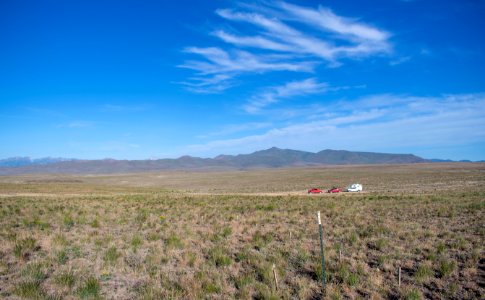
(275, 278)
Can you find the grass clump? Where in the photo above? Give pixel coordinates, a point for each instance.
(153, 236)
(111, 255)
(380, 244)
(31, 289)
(219, 257)
(342, 273)
(265, 293)
(261, 240)
(66, 279)
(173, 241)
(148, 291)
(352, 279)
(60, 239)
(243, 281)
(353, 239)
(413, 294)
(268, 207)
(34, 271)
(95, 223)
(136, 241)
(423, 273)
(223, 234)
(141, 218)
(68, 222)
(24, 247)
(62, 256)
(319, 272)
(446, 267)
(440, 248)
(36, 222)
(299, 259)
(191, 258)
(210, 288)
(89, 289)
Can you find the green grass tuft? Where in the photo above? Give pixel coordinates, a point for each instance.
(446, 267)
(219, 257)
(413, 294)
(423, 273)
(35, 271)
(89, 289)
(174, 241)
(66, 279)
(31, 289)
(24, 247)
(111, 255)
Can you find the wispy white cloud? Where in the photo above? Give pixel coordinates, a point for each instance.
(252, 41)
(375, 123)
(324, 18)
(222, 62)
(217, 72)
(277, 93)
(209, 85)
(296, 41)
(358, 38)
(283, 37)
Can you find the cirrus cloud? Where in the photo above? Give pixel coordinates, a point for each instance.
(373, 123)
(281, 37)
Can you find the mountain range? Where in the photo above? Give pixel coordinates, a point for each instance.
(269, 158)
(27, 161)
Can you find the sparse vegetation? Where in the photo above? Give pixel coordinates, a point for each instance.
(446, 267)
(221, 239)
(423, 272)
(89, 289)
(24, 247)
(413, 294)
(29, 289)
(111, 255)
(62, 257)
(66, 278)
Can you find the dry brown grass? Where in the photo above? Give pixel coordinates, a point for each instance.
(137, 237)
(413, 178)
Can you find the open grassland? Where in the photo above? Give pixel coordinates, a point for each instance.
(217, 235)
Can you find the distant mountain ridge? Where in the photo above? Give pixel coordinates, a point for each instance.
(27, 161)
(269, 158)
(276, 157)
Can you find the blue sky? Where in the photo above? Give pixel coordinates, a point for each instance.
(155, 79)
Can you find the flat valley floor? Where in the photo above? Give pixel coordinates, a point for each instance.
(249, 234)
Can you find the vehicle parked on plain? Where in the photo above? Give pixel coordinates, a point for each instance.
(334, 190)
(315, 191)
(354, 187)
